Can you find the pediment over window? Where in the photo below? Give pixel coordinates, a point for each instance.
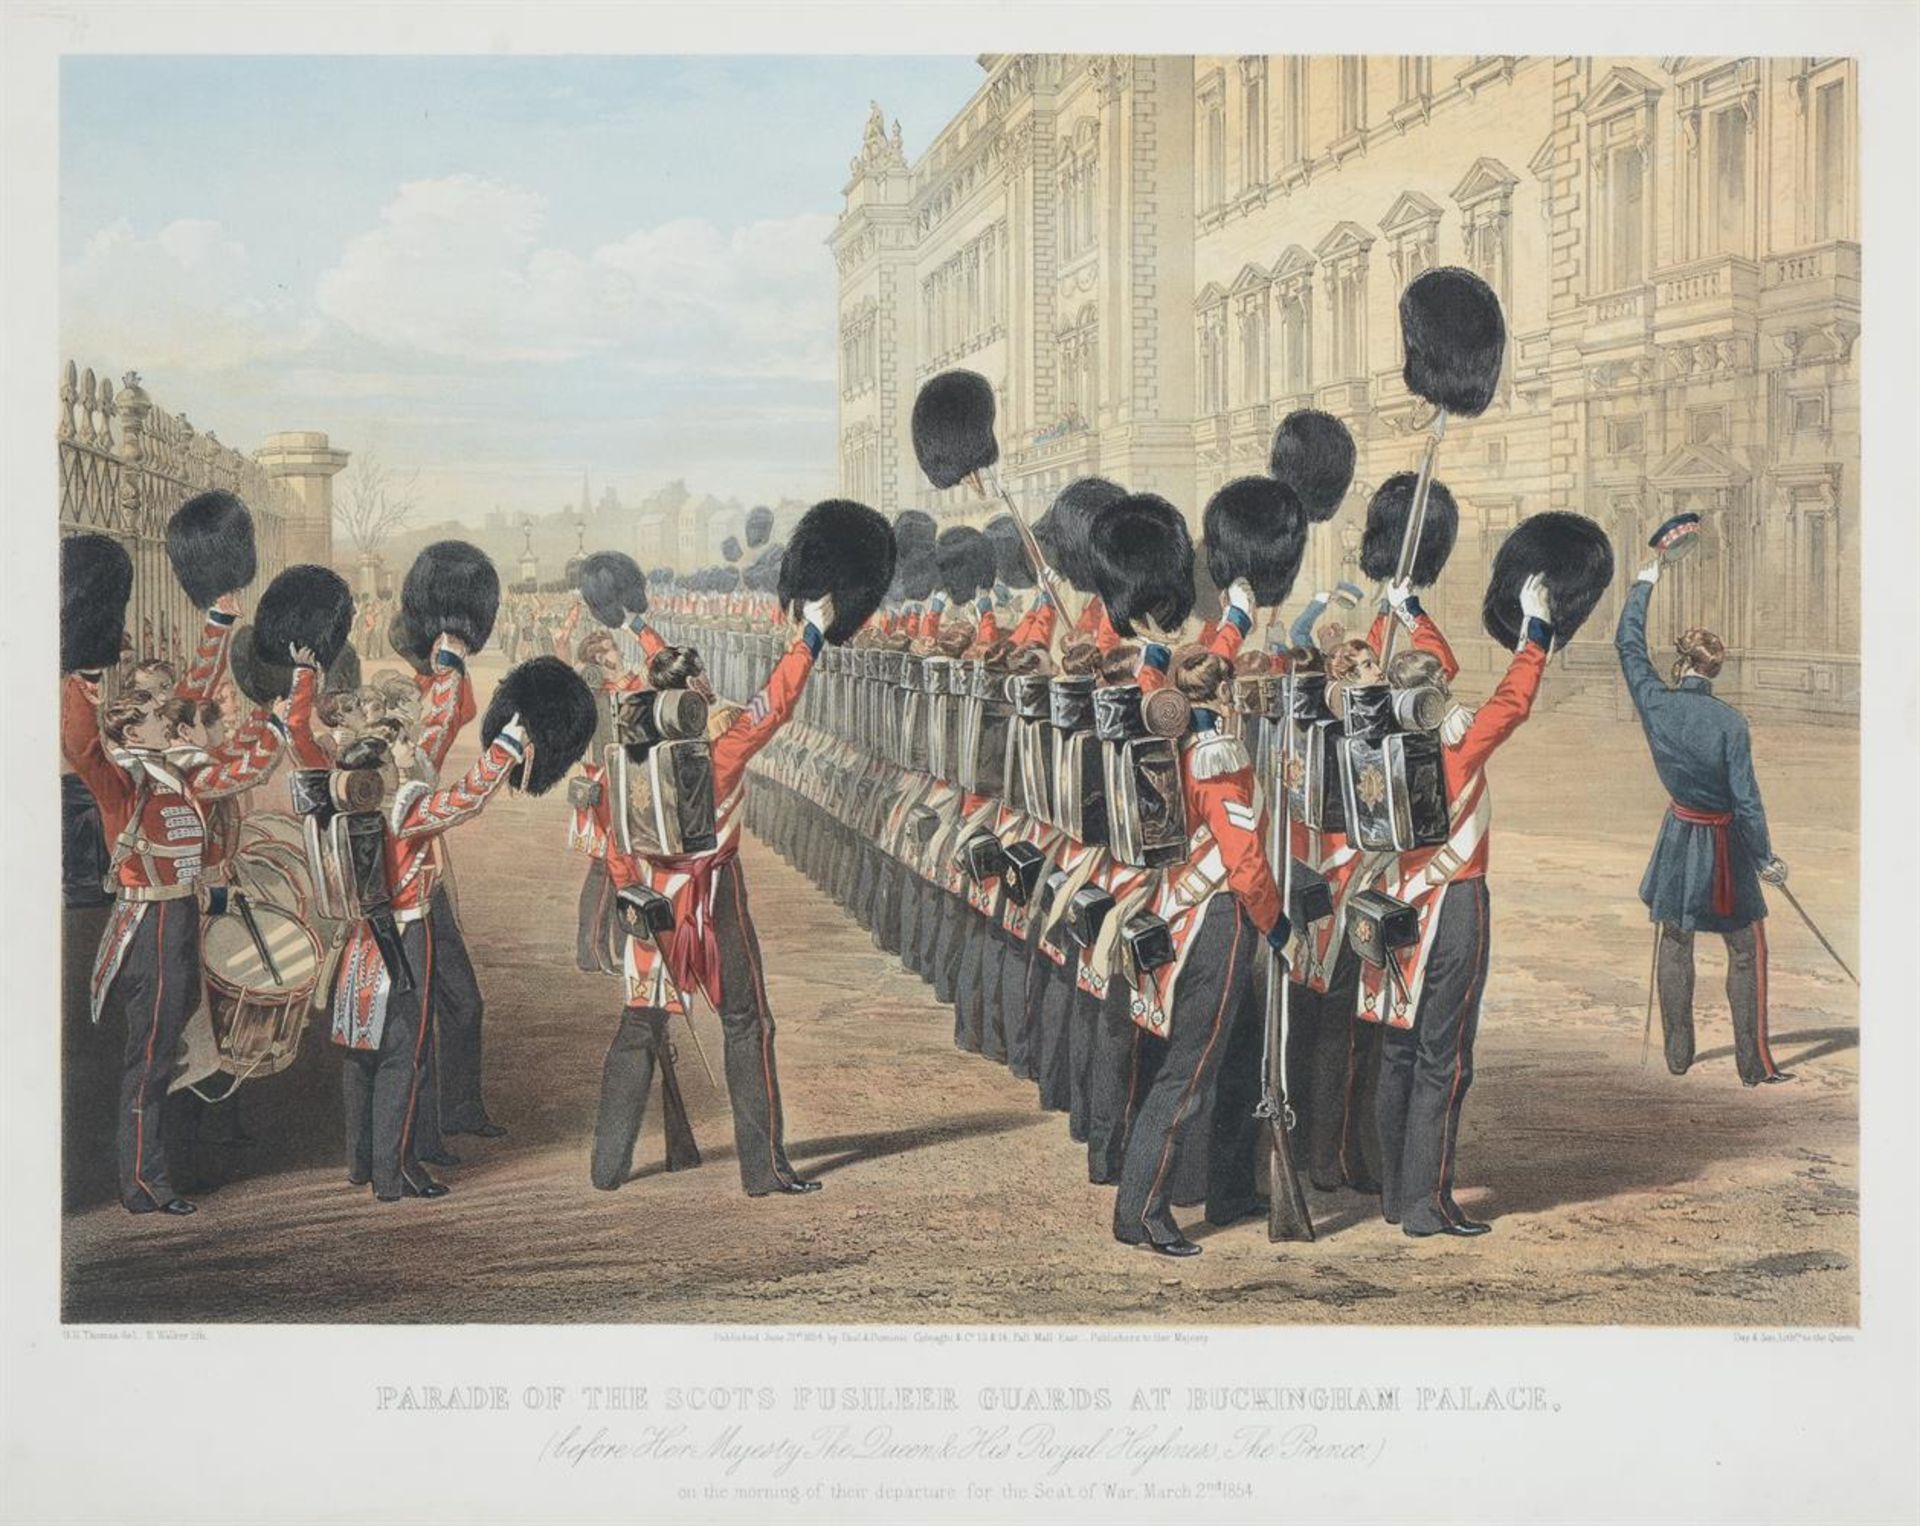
(1541, 164)
(1701, 464)
(1488, 177)
(1250, 277)
(1211, 295)
(1410, 211)
(1623, 89)
(1294, 262)
(1346, 239)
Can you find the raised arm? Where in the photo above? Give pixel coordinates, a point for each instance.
(1630, 641)
(210, 656)
(1511, 701)
(447, 705)
(771, 709)
(305, 745)
(241, 763)
(1300, 633)
(439, 810)
(83, 750)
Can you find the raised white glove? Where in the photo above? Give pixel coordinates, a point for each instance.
(1535, 604)
(514, 734)
(818, 612)
(1649, 573)
(1399, 593)
(1239, 596)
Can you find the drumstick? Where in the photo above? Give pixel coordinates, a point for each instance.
(245, 908)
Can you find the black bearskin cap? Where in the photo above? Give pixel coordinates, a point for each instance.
(452, 586)
(1455, 339)
(953, 427)
(1387, 524)
(1066, 529)
(1313, 454)
(1142, 563)
(558, 710)
(966, 563)
(261, 680)
(408, 643)
(841, 548)
(1010, 562)
(614, 587)
(210, 543)
(96, 580)
(1255, 529)
(730, 549)
(1577, 559)
(916, 571)
(759, 526)
(306, 605)
(343, 672)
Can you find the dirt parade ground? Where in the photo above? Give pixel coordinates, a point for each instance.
(1618, 1194)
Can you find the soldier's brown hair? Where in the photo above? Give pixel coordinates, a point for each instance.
(1700, 651)
(1347, 656)
(674, 667)
(1120, 664)
(1199, 674)
(1079, 658)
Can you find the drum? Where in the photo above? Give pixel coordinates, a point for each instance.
(258, 1013)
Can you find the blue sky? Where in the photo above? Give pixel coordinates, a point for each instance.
(500, 271)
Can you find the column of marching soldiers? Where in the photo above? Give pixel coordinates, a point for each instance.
(1217, 898)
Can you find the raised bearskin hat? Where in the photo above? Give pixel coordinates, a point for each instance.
(759, 526)
(1455, 339)
(1010, 564)
(210, 543)
(1313, 454)
(452, 586)
(1576, 558)
(305, 605)
(965, 559)
(344, 672)
(1387, 514)
(1254, 528)
(613, 587)
(1141, 558)
(558, 710)
(261, 680)
(407, 643)
(730, 549)
(1065, 531)
(96, 580)
(841, 548)
(915, 567)
(953, 427)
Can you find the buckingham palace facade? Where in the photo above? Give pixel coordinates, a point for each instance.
(1154, 259)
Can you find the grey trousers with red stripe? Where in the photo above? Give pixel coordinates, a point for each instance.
(746, 1020)
(158, 987)
(1425, 1070)
(1214, 985)
(1746, 995)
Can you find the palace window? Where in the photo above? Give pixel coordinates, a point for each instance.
(1824, 122)
(1077, 207)
(1295, 142)
(1293, 297)
(1343, 257)
(1353, 96)
(1210, 191)
(1727, 224)
(1253, 120)
(1211, 337)
(1079, 348)
(1619, 115)
(1251, 321)
(1717, 106)
(1626, 436)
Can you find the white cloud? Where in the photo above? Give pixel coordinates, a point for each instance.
(457, 270)
(181, 299)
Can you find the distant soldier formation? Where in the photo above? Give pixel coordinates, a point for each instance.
(1214, 885)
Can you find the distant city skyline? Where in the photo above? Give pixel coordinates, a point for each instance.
(502, 272)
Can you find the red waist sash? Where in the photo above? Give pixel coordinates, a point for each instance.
(692, 949)
(1722, 851)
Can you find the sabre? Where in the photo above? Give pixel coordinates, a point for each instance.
(692, 1032)
(245, 908)
(1794, 901)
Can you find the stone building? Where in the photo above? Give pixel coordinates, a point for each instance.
(1156, 259)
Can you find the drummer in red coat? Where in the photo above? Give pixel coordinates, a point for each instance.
(712, 947)
(153, 811)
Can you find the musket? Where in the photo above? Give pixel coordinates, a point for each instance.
(1287, 1215)
(1794, 901)
(1051, 581)
(686, 1000)
(1416, 522)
